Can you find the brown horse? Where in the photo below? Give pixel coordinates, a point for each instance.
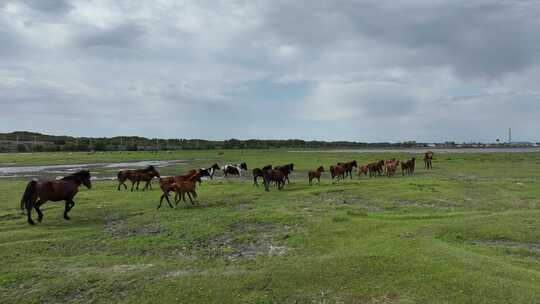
(316, 174)
(337, 172)
(349, 167)
(174, 184)
(391, 167)
(136, 176)
(428, 159)
(272, 175)
(408, 167)
(376, 168)
(38, 193)
(363, 170)
(286, 169)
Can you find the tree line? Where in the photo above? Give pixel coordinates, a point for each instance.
(37, 142)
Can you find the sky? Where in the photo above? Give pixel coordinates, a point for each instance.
(363, 70)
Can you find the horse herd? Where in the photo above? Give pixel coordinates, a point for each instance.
(39, 192)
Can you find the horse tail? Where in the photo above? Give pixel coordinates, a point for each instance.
(28, 195)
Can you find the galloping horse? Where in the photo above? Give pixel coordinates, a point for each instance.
(315, 174)
(349, 166)
(258, 172)
(273, 175)
(376, 168)
(337, 172)
(212, 170)
(286, 169)
(136, 176)
(391, 167)
(38, 193)
(234, 169)
(428, 158)
(176, 184)
(363, 170)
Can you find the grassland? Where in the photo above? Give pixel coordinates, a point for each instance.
(466, 232)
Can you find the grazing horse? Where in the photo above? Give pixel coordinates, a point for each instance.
(363, 170)
(349, 166)
(408, 167)
(234, 169)
(337, 172)
(174, 183)
(136, 176)
(38, 193)
(376, 168)
(315, 174)
(273, 175)
(428, 159)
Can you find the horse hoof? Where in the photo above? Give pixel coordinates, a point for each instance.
(40, 220)
(67, 218)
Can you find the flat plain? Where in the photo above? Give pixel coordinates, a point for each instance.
(467, 231)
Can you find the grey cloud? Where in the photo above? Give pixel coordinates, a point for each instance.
(120, 36)
(53, 7)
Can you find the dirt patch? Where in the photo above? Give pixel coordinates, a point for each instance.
(246, 241)
(122, 268)
(347, 200)
(118, 228)
(533, 247)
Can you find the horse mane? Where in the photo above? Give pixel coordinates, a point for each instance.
(77, 176)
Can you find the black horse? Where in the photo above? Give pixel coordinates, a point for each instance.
(38, 193)
(258, 172)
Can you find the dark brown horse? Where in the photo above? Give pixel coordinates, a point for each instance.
(428, 160)
(286, 169)
(349, 167)
(316, 174)
(38, 193)
(273, 175)
(337, 172)
(408, 167)
(376, 168)
(136, 176)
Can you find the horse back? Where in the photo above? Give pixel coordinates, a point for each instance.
(56, 190)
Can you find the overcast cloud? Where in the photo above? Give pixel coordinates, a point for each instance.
(425, 70)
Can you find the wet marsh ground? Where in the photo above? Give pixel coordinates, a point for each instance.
(466, 232)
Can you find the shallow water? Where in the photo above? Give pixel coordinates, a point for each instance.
(52, 170)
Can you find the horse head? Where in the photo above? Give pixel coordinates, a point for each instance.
(85, 178)
(243, 166)
(320, 169)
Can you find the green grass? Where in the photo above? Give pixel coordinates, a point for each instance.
(466, 232)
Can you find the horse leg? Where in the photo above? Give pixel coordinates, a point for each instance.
(161, 200)
(132, 185)
(69, 205)
(145, 186)
(29, 208)
(36, 206)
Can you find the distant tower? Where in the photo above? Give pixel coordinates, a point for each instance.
(509, 135)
